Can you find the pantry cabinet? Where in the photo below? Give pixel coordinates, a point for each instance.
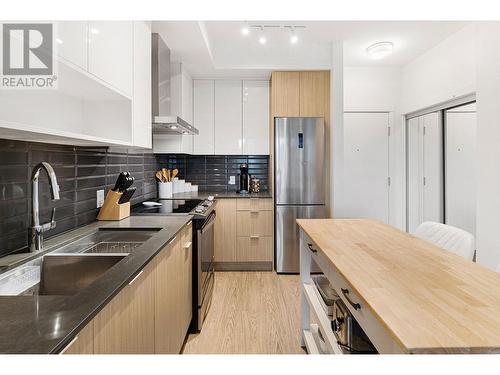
(141, 110)
(111, 53)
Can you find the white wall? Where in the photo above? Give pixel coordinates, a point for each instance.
(488, 143)
(379, 89)
(442, 73)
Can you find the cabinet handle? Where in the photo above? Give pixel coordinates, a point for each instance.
(254, 212)
(187, 245)
(172, 240)
(189, 224)
(135, 278)
(310, 246)
(69, 345)
(254, 237)
(355, 305)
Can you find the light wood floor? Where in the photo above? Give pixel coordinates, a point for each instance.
(251, 313)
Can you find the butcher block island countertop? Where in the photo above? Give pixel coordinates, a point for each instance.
(428, 299)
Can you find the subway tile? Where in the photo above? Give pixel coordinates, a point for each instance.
(13, 191)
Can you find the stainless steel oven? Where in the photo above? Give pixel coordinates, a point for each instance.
(205, 268)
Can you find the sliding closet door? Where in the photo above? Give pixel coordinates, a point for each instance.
(433, 168)
(425, 170)
(461, 167)
(366, 165)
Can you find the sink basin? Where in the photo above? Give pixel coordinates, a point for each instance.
(70, 268)
(67, 274)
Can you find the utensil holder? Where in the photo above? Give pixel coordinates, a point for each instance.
(165, 190)
(111, 209)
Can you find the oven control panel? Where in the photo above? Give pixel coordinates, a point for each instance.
(204, 208)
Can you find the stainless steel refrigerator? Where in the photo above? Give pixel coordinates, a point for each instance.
(299, 183)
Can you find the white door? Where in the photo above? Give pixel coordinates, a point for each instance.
(461, 168)
(203, 116)
(228, 119)
(366, 165)
(256, 117)
(433, 168)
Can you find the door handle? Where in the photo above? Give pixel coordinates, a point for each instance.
(310, 246)
(355, 305)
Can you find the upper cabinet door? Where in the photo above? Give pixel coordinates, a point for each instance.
(256, 117)
(71, 41)
(203, 116)
(286, 94)
(111, 53)
(315, 94)
(142, 85)
(228, 119)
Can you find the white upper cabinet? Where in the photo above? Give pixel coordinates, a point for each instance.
(110, 54)
(71, 41)
(228, 129)
(142, 132)
(256, 117)
(203, 116)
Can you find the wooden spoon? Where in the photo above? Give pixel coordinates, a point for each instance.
(174, 173)
(165, 175)
(168, 175)
(159, 176)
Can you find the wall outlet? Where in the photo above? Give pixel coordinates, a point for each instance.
(232, 180)
(100, 198)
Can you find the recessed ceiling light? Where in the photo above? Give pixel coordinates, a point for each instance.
(245, 30)
(185, 132)
(262, 40)
(94, 30)
(173, 127)
(59, 41)
(380, 50)
(293, 37)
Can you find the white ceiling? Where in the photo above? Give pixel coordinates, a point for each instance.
(218, 49)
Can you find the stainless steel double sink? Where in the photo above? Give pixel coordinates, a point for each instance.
(72, 267)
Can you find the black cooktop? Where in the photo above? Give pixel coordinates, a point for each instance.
(168, 207)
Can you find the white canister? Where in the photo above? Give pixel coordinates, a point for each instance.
(194, 187)
(179, 186)
(165, 190)
(187, 186)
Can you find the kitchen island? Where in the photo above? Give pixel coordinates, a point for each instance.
(52, 323)
(408, 295)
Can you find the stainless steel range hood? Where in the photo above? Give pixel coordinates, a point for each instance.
(164, 122)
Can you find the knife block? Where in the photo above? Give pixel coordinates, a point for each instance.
(111, 210)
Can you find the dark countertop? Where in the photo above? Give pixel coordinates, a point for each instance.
(46, 324)
(220, 195)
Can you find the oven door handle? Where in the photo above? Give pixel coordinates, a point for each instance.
(209, 222)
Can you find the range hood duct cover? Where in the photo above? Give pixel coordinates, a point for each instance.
(163, 120)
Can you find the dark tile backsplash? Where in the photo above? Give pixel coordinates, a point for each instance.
(212, 172)
(80, 173)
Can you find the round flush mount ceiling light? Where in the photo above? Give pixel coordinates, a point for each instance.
(245, 30)
(262, 37)
(380, 50)
(293, 36)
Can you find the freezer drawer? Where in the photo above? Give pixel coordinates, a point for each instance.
(287, 235)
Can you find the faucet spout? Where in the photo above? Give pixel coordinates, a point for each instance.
(38, 229)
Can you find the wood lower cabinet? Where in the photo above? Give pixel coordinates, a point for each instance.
(244, 234)
(173, 307)
(126, 325)
(152, 313)
(83, 343)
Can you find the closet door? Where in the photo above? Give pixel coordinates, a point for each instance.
(433, 168)
(461, 168)
(366, 165)
(415, 173)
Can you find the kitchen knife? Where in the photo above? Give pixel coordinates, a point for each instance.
(119, 181)
(127, 194)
